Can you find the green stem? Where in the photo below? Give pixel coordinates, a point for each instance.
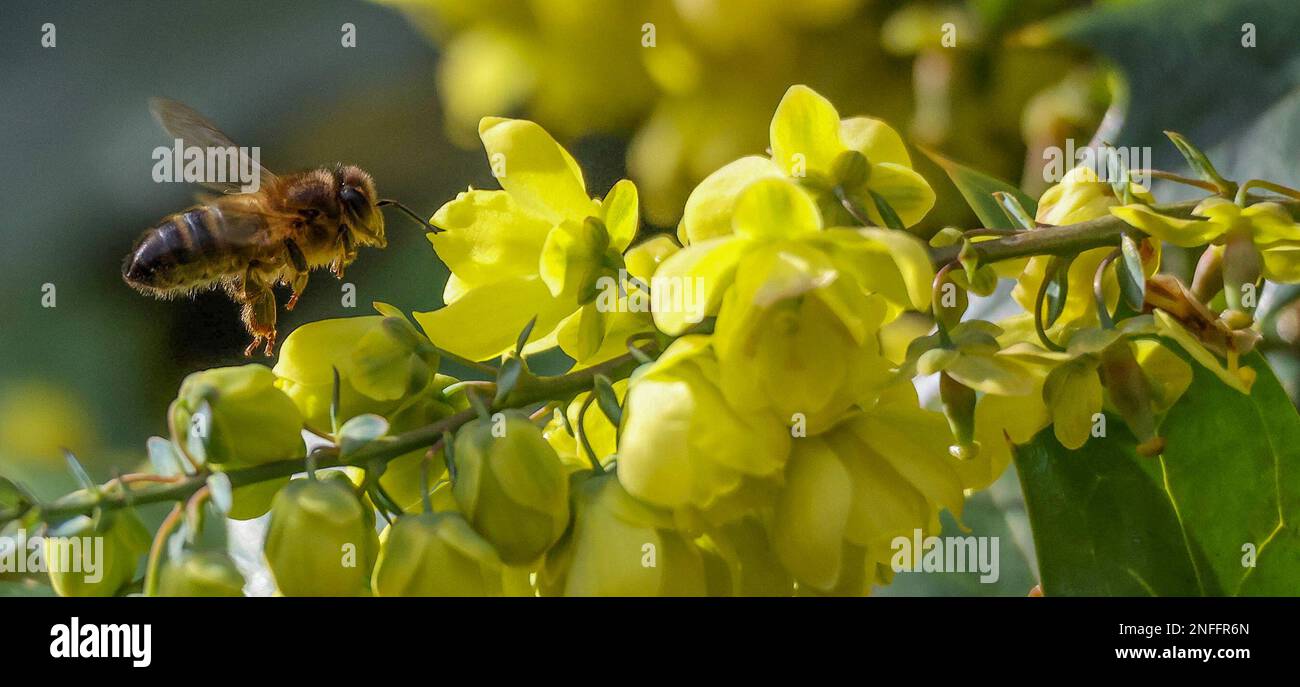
(531, 390)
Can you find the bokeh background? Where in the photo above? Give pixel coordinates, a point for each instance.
(95, 373)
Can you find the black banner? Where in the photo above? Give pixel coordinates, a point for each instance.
(988, 637)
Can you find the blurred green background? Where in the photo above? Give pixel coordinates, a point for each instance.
(95, 373)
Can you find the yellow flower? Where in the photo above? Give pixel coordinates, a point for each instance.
(685, 449)
(385, 368)
(849, 492)
(538, 248)
(861, 157)
(1107, 367)
(619, 546)
(1260, 240)
(321, 540)
(1078, 198)
(776, 215)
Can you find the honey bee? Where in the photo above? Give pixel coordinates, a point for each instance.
(247, 243)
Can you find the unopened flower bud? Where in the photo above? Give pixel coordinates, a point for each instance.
(1130, 393)
(124, 541)
(436, 554)
(321, 541)
(959, 408)
(511, 485)
(620, 546)
(200, 574)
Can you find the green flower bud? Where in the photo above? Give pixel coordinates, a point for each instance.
(123, 542)
(382, 362)
(321, 540)
(959, 408)
(200, 573)
(236, 417)
(511, 485)
(620, 546)
(436, 554)
(1130, 392)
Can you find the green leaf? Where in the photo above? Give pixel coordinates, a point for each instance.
(607, 399)
(1107, 521)
(508, 377)
(887, 213)
(359, 431)
(1129, 271)
(978, 189)
(1058, 288)
(78, 472)
(1014, 211)
(164, 457)
(222, 492)
(524, 335)
(1199, 163)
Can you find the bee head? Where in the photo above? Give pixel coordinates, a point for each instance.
(359, 203)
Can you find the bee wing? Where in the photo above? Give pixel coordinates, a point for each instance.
(245, 220)
(182, 121)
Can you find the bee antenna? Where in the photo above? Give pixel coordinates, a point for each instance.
(409, 212)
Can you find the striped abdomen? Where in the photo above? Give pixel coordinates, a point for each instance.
(186, 250)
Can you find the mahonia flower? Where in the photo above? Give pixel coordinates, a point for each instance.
(685, 449)
(860, 158)
(385, 367)
(321, 540)
(1080, 197)
(436, 554)
(125, 540)
(772, 215)
(511, 486)
(538, 248)
(567, 427)
(200, 574)
(236, 417)
(849, 492)
(620, 546)
(1141, 378)
(1260, 240)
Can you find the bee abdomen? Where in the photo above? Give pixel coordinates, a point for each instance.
(177, 252)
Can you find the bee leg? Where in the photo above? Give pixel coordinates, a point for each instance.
(299, 281)
(258, 312)
(347, 251)
(298, 284)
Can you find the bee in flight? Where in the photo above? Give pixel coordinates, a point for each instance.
(246, 243)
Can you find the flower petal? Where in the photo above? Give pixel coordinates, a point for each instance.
(540, 175)
(704, 270)
(1185, 233)
(1073, 394)
(621, 213)
(874, 139)
(907, 192)
(486, 320)
(710, 206)
(805, 124)
(775, 208)
(488, 237)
